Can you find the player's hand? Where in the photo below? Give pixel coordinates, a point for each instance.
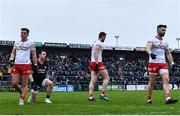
(35, 68)
(153, 56)
(172, 66)
(11, 62)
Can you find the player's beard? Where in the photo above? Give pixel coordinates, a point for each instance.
(103, 40)
(44, 59)
(162, 34)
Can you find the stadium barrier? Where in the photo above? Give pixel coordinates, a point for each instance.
(84, 87)
(63, 88)
(78, 85)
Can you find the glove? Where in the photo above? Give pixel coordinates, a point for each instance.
(172, 66)
(153, 56)
(35, 69)
(11, 62)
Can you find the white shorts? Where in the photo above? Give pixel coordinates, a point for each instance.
(162, 71)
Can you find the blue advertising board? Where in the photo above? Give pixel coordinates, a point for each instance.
(63, 88)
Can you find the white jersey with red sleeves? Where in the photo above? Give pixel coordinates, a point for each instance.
(23, 52)
(158, 48)
(97, 44)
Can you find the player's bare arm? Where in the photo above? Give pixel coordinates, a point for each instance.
(169, 56)
(13, 54)
(96, 53)
(148, 48)
(34, 56)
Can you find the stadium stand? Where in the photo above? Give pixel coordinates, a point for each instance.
(68, 64)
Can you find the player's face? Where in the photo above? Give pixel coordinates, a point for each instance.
(24, 34)
(103, 38)
(161, 31)
(43, 55)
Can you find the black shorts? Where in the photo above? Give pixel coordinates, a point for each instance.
(38, 80)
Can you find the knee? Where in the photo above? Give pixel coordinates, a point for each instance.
(50, 83)
(24, 84)
(14, 84)
(151, 83)
(107, 78)
(166, 80)
(93, 80)
(91, 87)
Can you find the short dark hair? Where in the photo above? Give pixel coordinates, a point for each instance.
(161, 25)
(25, 29)
(42, 51)
(102, 34)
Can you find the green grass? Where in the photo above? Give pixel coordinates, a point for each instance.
(130, 102)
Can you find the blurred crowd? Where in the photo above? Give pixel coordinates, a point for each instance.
(75, 69)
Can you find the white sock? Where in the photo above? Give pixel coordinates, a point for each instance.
(167, 98)
(102, 94)
(91, 97)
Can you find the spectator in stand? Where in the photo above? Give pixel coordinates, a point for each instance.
(74, 69)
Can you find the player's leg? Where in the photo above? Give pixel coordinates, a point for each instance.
(92, 84)
(15, 79)
(49, 86)
(34, 94)
(15, 83)
(152, 78)
(26, 72)
(25, 79)
(153, 69)
(106, 79)
(31, 80)
(165, 77)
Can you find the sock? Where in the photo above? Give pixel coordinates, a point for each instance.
(23, 98)
(20, 91)
(149, 97)
(103, 93)
(47, 96)
(167, 96)
(90, 95)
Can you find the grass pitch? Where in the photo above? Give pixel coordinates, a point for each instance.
(130, 102)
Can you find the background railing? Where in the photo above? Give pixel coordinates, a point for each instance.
(82, 83)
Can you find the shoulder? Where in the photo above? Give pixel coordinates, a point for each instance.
(99, 43)
(17, 42)
(46, 63)
(153, 40)
(30, 42)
